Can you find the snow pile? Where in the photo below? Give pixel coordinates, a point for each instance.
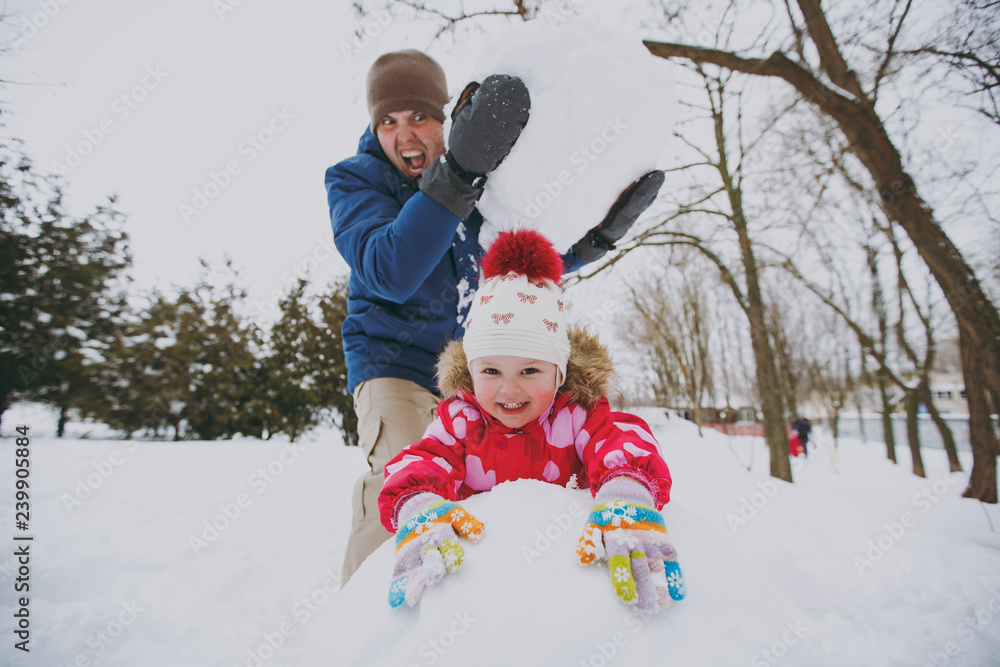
(602, 110)
(522, 598)
(227, 554)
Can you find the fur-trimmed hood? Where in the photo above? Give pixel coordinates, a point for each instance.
(590, 374)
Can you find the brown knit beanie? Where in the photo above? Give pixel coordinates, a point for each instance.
(406, 81)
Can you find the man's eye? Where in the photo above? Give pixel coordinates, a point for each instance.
(388, 121)
(419, 117)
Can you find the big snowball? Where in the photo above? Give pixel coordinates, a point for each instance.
(602, 112)
(522, 598)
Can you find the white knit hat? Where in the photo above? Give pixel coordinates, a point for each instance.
(518, 310)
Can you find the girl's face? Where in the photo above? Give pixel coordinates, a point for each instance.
(515, 390)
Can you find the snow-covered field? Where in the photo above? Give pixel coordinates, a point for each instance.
(229, 553)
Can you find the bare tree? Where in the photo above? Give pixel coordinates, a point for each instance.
(921, 393)
(900, 362)
(969, 42)
(714, 201)
(673, 330)
(835, 88)
(788, 330)
(830, 376)
(813, 63)
(883, 376)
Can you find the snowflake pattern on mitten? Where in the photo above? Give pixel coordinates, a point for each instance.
(632, 538)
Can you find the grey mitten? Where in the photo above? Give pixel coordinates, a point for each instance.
(486, 122)
(630, 204)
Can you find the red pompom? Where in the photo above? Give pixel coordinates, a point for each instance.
(525, 252)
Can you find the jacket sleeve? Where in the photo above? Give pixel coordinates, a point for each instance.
(623, 444)
(571, 262)
(435, 464)
(391, 248)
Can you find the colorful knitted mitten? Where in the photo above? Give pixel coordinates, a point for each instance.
(427, 546)
(625, 529)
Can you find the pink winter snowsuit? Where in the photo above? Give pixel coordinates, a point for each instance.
(466, 451)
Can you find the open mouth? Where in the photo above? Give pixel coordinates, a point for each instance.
(512, 407)
(415, 160)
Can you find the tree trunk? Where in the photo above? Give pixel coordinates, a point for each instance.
(912, 431)
(864, 381)
(977, 316)
(983, 479)
(942, 427)
(887, 433)
(4, 404)
(768, 380)
(861, 423)
(61, 427)
(768, 384)
(835, 424)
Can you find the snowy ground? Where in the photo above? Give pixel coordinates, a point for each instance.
(228, 554)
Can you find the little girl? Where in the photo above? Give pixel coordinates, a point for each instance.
(525, 399)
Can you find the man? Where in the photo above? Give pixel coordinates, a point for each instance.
(404, 219)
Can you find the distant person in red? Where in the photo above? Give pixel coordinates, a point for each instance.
(801, 428)
(795, 447)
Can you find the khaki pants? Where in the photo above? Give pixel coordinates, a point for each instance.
(392, 414)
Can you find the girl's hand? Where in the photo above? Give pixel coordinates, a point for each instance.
(624, 529)
(427, 545)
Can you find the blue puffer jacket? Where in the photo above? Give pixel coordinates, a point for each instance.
(413, 268)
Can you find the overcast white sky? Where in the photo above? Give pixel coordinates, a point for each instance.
(164, 95)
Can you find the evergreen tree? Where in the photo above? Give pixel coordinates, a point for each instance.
(330, 352)
(61, 290)
(188, 363)
(294, 370)
(144, 385)
(222, 349)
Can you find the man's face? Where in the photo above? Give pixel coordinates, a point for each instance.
(411, 140)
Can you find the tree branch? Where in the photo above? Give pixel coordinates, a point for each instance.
(831, 60)
(890, 50)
